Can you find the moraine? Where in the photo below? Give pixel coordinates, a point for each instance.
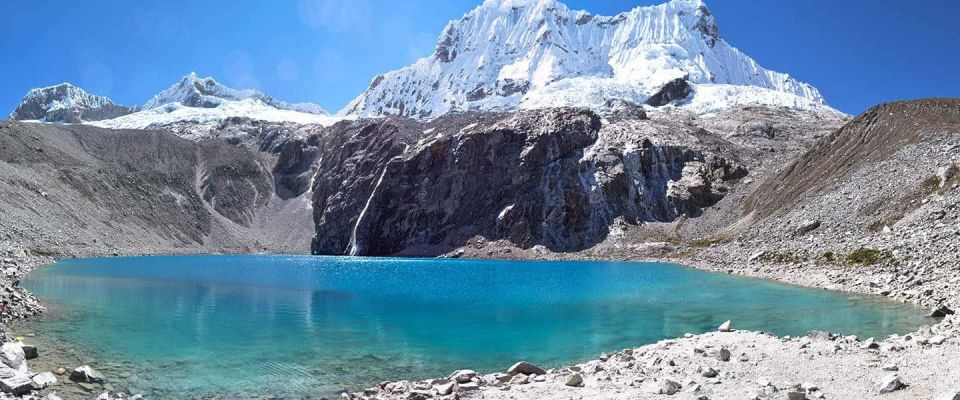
(248, 326)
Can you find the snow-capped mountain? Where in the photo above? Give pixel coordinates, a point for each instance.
(66, 103)
(509, 54)
(194, 91)
(206, 101)
(192, 99)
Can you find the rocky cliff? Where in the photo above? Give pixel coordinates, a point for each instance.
(559, 178)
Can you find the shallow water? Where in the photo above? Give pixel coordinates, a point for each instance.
(302, 326)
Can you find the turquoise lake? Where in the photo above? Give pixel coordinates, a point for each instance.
(304, 326)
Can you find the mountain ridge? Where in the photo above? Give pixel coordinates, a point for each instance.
(192, 98)
(508, 54)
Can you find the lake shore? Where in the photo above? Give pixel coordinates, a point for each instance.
(760, 365)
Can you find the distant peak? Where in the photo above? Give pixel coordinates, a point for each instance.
(512, 4)
(65, 103)
(205, 92)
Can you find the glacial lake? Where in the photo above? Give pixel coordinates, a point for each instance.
(303, 326)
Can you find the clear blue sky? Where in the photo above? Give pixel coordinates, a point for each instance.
(857, 52)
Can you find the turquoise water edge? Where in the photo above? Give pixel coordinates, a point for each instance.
(303, 326)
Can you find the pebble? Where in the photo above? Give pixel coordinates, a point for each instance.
(723, 354)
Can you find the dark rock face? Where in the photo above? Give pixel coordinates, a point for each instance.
(389, 186)
(671, 91)
(68, 104)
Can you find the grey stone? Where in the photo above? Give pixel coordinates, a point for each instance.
(574, 380)
(723, 354)
(463, 375)
(86, 374)
(941, 312)
(726, 326)
(11, 353)
(43, 380)
(16, 385)
(796, 395)
(30, 352)
(669, 386)
(525, 368)
(444, 389)
(890, 383)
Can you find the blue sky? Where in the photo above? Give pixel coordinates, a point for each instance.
(857, 52)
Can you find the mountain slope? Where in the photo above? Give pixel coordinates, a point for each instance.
(509, 54)
(66, 103)
(858, 151)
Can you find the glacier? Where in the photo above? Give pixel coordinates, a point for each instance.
(524, 54)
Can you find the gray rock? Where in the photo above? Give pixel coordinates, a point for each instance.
(709, 372)
(723, 354)
(30, 352)
(85, 374)
(574, 380)
(941, 312)
(463, 375)
(793, 395)
(669, 386)
(51, 396)
(890, 383)
(16, 385)
(444, 389)
(870, 344)
(525, 368)
(44, 379)
(671, 91)
(11, 353)
(807, 226)
(726, 327)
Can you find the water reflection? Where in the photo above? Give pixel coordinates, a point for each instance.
(250, 325)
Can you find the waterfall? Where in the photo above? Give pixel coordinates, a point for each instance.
(354, 246)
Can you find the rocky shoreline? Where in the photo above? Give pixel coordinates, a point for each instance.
(731, 364)
(682, 367)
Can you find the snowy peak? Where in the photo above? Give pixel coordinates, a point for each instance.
(510, 54)
(194, 91)
(66, 103)
(207, 103)
(192, 100)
